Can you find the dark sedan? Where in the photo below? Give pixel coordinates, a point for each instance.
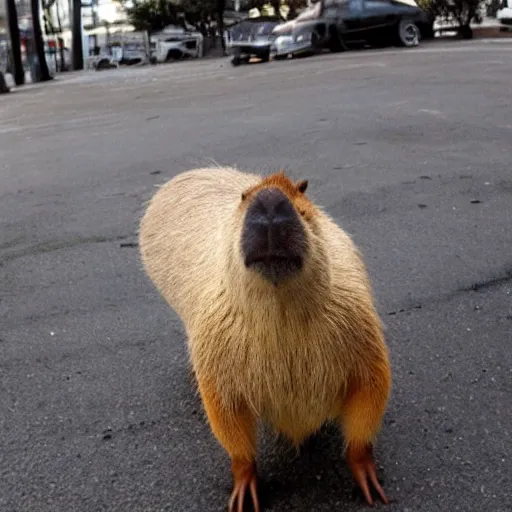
(338, 24)
(252, 37)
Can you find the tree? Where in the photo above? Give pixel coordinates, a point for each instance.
(152, 15)
(14, 33)
(76, 40)
(44, 72)
(198, 13)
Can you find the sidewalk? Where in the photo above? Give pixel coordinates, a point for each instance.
(9, 79)
(490, 27)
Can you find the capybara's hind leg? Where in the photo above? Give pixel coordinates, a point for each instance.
(235, 429)
(361, 418)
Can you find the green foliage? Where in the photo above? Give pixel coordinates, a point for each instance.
(197, 12)
(196, 7)
(426, 5)
(154, 15)
(151, 15)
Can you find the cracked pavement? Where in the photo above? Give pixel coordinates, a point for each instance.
(408, 150)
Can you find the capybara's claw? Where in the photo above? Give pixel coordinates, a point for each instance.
(244, 478)
(362, 465)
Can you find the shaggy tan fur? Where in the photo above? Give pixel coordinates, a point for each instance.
(296, 355)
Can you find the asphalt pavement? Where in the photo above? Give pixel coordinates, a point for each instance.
(409, 150)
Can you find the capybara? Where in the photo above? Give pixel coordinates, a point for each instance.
(279, 315)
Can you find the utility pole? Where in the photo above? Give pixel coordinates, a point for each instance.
(76, 42)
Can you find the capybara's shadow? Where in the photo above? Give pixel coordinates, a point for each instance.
(291, 479)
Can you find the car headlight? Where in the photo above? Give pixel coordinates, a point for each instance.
(303, 38)
(282, 39)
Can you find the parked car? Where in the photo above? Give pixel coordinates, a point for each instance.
(174, 43)
(252, 37)
(132, 53)
(337, 24)
(504, 14)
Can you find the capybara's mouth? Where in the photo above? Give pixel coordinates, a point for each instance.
(274, 268)
(264, 258)
(268, 259)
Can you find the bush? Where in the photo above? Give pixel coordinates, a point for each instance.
(463, 12)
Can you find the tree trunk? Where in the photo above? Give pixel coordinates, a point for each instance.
(221, 5)
(466, 32)
(14, 34)
(3, 85)
(62, 64)
(44, 72)
(77, 47)
(464, 19)
(276, 4)
(202, 27)
(59, 39)
(150, 56)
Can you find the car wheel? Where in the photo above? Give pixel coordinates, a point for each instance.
(104, 64)
(173, 55)
(316, 43)
(236, 61)
(408, 33)
(265, 57)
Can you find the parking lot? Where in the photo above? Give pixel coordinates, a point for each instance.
(409, 150)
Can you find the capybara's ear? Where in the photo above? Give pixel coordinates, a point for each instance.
(302, 186)
(246, 193)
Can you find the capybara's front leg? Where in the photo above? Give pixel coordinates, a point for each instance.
(362, 413)
(234, 426)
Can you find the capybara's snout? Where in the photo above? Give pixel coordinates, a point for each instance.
(273, 238)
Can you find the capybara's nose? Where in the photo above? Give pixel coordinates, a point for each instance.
(271, 208)
(272, 227)
(273, 238)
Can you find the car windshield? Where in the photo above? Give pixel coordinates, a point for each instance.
(264, 29)
(245, 29)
